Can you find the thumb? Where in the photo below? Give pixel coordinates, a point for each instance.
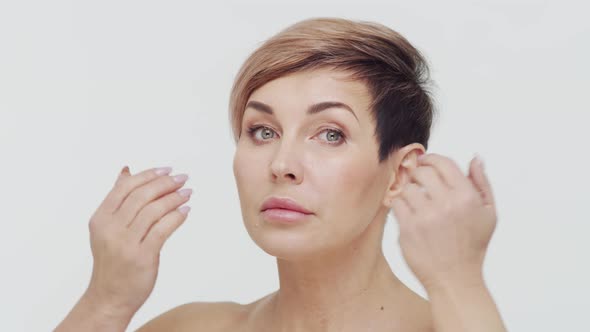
(480, 180)
(124, 172)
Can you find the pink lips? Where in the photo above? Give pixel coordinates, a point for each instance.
(284, 210)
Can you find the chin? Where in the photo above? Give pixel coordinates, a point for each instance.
(294, 242)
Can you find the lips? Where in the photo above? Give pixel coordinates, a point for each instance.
(283, 203)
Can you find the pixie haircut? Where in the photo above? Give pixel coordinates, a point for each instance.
(395, 73)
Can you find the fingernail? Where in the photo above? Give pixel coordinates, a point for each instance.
(184, 210)
(163, 170)
(185, 192)
(180, 178)
(125, 170)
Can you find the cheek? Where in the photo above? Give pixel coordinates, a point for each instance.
(250, 178)
(346, 190)
(347, 182)
(243, 167)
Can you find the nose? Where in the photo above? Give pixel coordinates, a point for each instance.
(286, 165)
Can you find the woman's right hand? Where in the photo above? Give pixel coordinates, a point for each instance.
(127, 232)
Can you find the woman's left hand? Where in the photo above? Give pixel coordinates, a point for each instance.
(446, 221)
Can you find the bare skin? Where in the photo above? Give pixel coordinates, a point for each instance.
(258, 316)
(383, 303)
(332, 271)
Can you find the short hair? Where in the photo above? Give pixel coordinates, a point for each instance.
(395, 73)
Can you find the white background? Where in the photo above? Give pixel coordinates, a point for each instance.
(87, 87)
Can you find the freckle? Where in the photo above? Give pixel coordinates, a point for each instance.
(381, 307)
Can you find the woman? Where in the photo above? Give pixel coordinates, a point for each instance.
(331, 119)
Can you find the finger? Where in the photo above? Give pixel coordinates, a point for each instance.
(146, 193)
(415, 196)
(107, 204)
(429, 179)
(126, 183)
(447, 168)
(156, 210)
(401, 209)
(124, 172)
(162, 229)
(480, 180)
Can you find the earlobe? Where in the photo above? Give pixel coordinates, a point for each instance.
(394, 189)
(395, 185)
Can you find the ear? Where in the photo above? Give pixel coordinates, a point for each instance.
(403, 161)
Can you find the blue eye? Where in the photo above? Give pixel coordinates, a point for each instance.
(267, 132)
(252, 130)
(333, 132)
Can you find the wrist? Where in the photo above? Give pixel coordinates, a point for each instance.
(103, 312)
(464, 305)
(472, 279)
(93, 316)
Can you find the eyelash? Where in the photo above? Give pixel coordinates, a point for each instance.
(252, 129)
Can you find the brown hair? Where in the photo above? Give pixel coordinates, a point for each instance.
(393, 70)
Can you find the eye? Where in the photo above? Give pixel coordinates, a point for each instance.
(265, 133)
(335, 136)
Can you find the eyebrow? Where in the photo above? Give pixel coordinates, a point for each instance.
(313, 109)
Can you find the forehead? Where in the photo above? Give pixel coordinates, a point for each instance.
(314, 86)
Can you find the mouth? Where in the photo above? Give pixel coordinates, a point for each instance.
(284, 211)
(284, 216)
(283, 204)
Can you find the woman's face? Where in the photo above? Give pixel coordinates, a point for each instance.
(303, 157)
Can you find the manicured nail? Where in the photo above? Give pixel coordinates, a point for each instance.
(185, 192)
(184, 210)
(180, 178)
(125, 170)
(163, 170)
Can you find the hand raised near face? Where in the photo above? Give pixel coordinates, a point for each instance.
(128, 231)
(446, 220)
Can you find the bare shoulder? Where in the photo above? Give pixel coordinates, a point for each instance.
(199, 316)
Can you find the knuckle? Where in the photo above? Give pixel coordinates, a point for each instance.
(148, 175)
(466, 199)
(120, 181)
(434, 155)
(447, 162)
(431, 171)
(157, 208)
(147, 189)
(144, 194)
(437, 158)
(159, 234)
(166, 203)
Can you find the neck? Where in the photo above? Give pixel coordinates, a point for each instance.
(335, 290)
